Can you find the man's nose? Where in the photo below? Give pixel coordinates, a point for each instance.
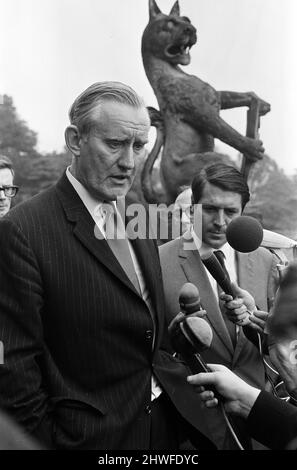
(220, 218)
(127, 158)
(2, 194)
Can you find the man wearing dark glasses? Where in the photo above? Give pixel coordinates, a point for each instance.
(7, 188)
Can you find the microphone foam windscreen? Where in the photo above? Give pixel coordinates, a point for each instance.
(200, 333)
(189, 298)
(244, 234)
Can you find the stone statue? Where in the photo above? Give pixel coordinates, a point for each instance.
(189, 116)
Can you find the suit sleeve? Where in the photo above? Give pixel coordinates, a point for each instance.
(22, 392)
(273, 422)
(272, 286)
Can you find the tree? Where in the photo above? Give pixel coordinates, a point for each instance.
(273, 197)
(34, 171)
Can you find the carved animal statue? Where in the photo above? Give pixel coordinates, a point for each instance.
(189, 116)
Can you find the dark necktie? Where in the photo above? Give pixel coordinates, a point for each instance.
(221, 258)
(117, 240)
(229, 324)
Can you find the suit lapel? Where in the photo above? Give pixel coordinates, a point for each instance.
(84, 230)
(250, 278)
(194, 270)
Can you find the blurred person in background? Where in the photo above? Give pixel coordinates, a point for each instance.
(7, 189)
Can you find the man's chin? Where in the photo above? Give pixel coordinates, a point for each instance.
(110, 192)
(116, 192)
(216, 240)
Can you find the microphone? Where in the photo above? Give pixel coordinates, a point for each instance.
(244, 234)
(189, 299)
(213, 265)
(193, 335)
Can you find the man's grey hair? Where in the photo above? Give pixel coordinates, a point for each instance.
(80, 113)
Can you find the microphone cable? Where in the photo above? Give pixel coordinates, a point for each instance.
(266, 366)
(267, 376)
(230, 427)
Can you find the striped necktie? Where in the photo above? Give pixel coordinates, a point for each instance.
(117, 240)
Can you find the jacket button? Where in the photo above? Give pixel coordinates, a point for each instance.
(148, 335)
(148, 410)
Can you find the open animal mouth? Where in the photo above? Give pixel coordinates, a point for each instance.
(180, 49)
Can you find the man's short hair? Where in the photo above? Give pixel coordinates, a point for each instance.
(225, 177)
(80, 112)
(5, 162)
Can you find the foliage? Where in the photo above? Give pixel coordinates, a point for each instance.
(274, 197)
(34, 172)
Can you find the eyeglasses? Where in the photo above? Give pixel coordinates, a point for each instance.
(9, 191)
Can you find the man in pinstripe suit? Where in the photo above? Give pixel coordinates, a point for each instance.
(88, 363)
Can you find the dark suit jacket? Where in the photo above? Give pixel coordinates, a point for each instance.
(77, 336)
(181, 264)
(273, 422)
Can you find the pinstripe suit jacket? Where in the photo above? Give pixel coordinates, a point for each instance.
(77, 336)
(257, 273)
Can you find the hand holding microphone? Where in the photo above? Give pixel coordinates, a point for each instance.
(244, 234)
(190, 333)
(189, 301)
(192, 336)
(239, 397)
(239, 308)
(238, 302)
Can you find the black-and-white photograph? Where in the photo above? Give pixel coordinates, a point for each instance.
(148, 228)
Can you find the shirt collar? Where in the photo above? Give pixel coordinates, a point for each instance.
(227, 250)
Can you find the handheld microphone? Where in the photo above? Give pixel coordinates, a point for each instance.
(215, 268)
(244, 234)
(193, 335)
(189, 299)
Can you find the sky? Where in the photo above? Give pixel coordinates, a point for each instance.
(50, 50)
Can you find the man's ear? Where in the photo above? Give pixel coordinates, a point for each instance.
(72, 139)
